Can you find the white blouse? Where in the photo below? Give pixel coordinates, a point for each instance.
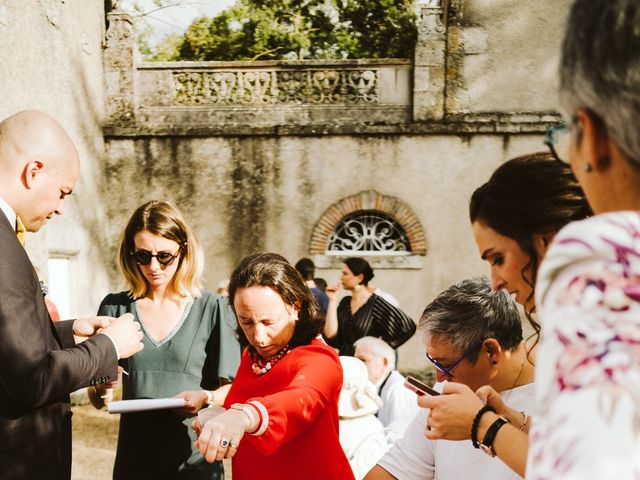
(587, 424)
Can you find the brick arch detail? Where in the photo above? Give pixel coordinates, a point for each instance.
(368, 200)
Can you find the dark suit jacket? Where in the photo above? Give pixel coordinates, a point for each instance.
(39, 367)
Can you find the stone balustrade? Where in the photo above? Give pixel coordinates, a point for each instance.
(263, 85)
(429, 93)
(265, 93)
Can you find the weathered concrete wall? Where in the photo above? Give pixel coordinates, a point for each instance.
(51, 57)
(503, 54)
(263, 185)
(255, 161)
(249, 194)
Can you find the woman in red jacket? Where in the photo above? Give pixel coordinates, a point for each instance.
(282, 417)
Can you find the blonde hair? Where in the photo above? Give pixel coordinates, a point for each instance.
(165, 220)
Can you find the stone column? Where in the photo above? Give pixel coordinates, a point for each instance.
(429, 68)
(120, 57)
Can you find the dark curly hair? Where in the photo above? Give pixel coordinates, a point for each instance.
(274, 271)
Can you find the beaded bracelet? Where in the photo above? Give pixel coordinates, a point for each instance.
(476, 424)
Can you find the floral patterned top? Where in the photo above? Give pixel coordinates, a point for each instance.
(588, 363)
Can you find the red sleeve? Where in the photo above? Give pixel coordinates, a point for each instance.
(53, 310)
(316, 380)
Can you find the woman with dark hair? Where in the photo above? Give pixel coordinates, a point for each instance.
(285, 394)
(363, 313)
(514, 216)
(189, 345)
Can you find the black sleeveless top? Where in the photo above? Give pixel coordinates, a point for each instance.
(376, 318)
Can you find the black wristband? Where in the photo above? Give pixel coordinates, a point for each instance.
(476, 424)
(490, 436)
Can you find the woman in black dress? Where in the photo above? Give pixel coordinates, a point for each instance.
(363, 313)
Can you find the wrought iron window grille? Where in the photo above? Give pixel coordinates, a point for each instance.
(369, 233)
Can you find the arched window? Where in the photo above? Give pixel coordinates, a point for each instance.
(368, 232)
(369, 224)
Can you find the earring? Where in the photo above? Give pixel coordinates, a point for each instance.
(587, 167)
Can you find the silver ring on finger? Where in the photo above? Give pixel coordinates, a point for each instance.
(224, 443)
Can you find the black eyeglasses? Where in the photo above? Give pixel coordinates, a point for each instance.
(143, 257)
(449, 369)
(558, 139)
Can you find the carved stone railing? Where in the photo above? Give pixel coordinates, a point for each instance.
(276, 87)
(300, 96)
(272, 93)
(175, 97)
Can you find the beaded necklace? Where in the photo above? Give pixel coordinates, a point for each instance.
(260, 366)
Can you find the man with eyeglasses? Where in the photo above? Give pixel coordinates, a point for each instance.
(473, 338)
(43, 362)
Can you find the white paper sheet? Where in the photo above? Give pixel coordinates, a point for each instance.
(144, 404)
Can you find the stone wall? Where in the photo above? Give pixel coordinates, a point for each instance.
(51, 57)
(244, 194)
(257, 168)
(502, 55)
(260, 161)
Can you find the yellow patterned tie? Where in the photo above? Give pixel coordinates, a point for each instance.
(20, 231)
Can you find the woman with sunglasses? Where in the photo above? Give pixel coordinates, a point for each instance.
(189, 345)
(514, 217)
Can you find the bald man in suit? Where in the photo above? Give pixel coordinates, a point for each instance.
(43, 362)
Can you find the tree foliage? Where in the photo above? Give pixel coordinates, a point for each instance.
(298, 29)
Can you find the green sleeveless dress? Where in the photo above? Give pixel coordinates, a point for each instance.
(200, 349)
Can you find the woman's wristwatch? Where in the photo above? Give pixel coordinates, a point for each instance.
(486, 445)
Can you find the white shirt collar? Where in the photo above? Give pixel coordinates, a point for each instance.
(8, 212)
(383, 379)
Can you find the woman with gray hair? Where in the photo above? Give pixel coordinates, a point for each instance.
(473, 337)
(588, 288)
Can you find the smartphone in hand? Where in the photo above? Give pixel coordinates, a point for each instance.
(418, 387)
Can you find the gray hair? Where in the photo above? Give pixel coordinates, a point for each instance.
(600, 68)
(468, 312)
(379, 348)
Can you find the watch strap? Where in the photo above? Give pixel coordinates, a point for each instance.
(487, 442)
